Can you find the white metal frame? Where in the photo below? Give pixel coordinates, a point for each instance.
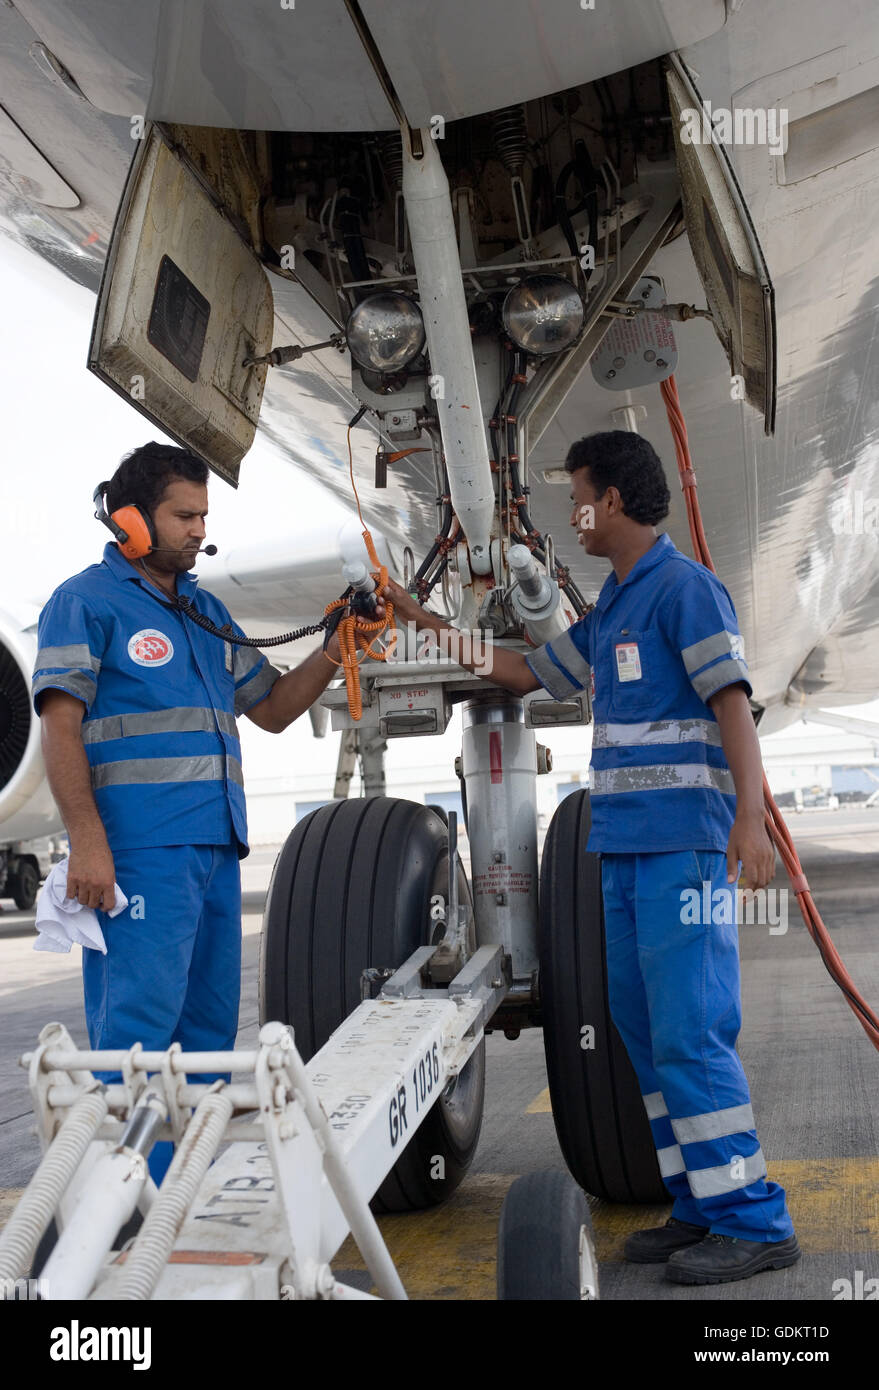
(307, 1146)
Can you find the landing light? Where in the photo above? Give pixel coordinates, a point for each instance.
(385, 331)
(543, 314)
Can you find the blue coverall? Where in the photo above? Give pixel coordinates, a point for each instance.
(161, 697)
(656, 647)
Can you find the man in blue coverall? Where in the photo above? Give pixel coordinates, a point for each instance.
(138, 708)
(677, 804)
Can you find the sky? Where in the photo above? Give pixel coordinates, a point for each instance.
(63, 431)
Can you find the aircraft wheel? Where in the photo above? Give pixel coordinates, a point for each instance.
(25, 884)
(600, 1120)
(545, 1246)
(351, 889)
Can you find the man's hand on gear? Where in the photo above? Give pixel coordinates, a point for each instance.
(405, 606)
(91, 876)
(332, 647)
(750, 844)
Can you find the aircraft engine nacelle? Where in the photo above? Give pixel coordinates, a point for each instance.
(27, 810)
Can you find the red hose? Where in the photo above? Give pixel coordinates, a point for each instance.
(775, 823)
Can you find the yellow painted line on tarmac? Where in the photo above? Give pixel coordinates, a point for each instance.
(834, 1202)
(540, 1105)
(450, 1252)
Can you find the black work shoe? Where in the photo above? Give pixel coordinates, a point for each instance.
(653, 1247)
(720, 1259)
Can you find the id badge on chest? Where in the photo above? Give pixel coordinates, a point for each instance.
(628, 661)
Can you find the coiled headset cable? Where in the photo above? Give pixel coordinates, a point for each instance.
(328, 623)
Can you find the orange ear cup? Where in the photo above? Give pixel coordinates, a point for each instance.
(140, 538)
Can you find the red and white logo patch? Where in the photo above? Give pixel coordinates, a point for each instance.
(150, 647)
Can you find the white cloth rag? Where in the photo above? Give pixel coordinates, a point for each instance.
(63, 922)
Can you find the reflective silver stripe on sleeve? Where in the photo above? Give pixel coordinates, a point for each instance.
(659, 731)
(76, 656)
(711, 1182)
(724, 673)
(138, 771)
(721, 643)
(74, 682)
(714, 1124)
(254, 690)
(571, 658)
(182, 720)
(655, 1106)
(678, 777)
(549, 675)
(671, 1161)
(244, 659)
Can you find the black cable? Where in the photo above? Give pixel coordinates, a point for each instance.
(431, 583)
(179, 604)
(582, 168)
(445, 528)
(185, 605)
(332, 621)
(569, 587)
(561, 208)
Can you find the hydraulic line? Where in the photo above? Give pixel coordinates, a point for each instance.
(25, 1227)
(506, 415)
(427, 585)
(155, 1241)
(775, 824)
(445, 526)
(582, 167)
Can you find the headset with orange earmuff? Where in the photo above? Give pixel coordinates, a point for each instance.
(131, 526)
(135, 535)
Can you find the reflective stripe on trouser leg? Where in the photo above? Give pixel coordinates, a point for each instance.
(137, 992)
(628, 1006)
(690, 972)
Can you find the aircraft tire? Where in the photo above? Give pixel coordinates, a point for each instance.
(545, 1246)
(602, 1127)
(25, 884)
(351, 889)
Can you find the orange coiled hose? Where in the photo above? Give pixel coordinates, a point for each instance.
(354, 631)
(775, 824)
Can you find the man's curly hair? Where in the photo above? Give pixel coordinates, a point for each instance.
(144, 474)
(622, 459)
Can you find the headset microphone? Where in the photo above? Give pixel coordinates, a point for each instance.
(170, 550)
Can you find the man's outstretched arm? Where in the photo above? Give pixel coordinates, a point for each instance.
(507, 669)
(293, 694)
